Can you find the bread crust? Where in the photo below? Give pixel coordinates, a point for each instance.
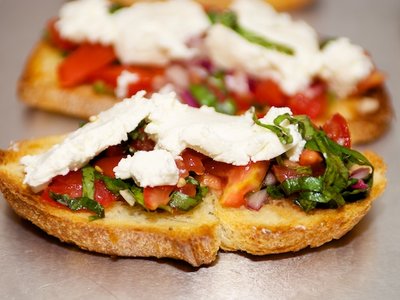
(195, 237)
(38, 87)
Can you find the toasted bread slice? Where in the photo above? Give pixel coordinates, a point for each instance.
(281, 5)
(281, 226)
(126, 231)
(368, 117)
(195, 236)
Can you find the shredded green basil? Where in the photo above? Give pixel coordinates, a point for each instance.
(114, 8)
(281, 132)
(88, 182)
(79, 203)
(184, 202)
(229, 19)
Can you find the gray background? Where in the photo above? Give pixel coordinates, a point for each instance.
(362, 265)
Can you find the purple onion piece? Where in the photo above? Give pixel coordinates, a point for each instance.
(270, 179)
(256, 200)
(360, 185)
(189, 99)
(360, 173)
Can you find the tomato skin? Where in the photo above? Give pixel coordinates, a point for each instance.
(337, 130)
(107, 164)
(56, 39)
(217, 168)
(282, 173)
(191, 161)
(102, 194)
(77, 67)
(268, 92)
(311, 102)
(310, 158)
(213, 182)
(156, 196)
(242, 180)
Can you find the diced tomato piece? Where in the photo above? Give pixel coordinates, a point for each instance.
(310, 158)
(117, 150)
(311, 102)
(70, 184)
(193, 161)
(211, 181)
(243, 103)
(56, 39)
(102, 194)
(337, 129)
(156, 196)
(217, 168)
(107, 164)
(76, 68)
(188, 189)
(267, 92)
(145, 144)
(282, 173)
(242, 180)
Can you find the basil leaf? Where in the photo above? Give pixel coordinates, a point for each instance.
(79, 203)
(138, 194)
(182, 201)
(275, 192)
(88, 182)
(282, 133)
(309, 183)
(114, 8)
(230, 20)
(114, 185)
(227, 107)
(203, 95)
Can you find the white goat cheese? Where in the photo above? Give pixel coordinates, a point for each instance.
(108, 129)
(123, 81)
(149, 168)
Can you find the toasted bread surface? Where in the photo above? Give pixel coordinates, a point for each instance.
(195, 237)
(125, 231)
(368, 117)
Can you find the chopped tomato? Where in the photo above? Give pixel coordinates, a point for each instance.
(336, 128)
(117, 150)
(56, 39)
(242, 180)
(188, 189)
(193, 161)
(102, 194)
(145, 77)
(107, 164)
(77, 67)
(268, 92)
(311, 102)
(282, 173)
(211, 181)
(217, 168)
(156, 196)
(70, 184)
(144, 144)
(310, 158)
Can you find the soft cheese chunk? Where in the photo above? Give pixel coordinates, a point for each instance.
(235, 140)
(149, 168)
(156, 33)
(87, 20)
(108, 128)
(229, 50)
(344, 65)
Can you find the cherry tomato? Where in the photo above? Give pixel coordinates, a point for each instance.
(156, 196)
(107, 164)
(80, 64)
(336, 128)
(242, 180)
(311, 102)
(268, 92)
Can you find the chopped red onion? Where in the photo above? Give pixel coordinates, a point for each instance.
(178, 76)
(270, 179)
(188, 99)
(256, 200)
(360, 173)
(360, 185)
(238, 83)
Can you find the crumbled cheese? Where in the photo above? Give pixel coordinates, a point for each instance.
(87, 21)
(149, 168)
(174, 127)
(156, 33)
(110, 128)
(123, 81)
(144, 33)
(344, 65)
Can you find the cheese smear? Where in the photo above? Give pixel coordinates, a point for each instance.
(174, 127)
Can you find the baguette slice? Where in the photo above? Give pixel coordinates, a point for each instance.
(194, 237)
(281, 5)
(38, 87)
(126, 231)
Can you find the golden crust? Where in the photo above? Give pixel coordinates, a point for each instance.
(195, 236)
